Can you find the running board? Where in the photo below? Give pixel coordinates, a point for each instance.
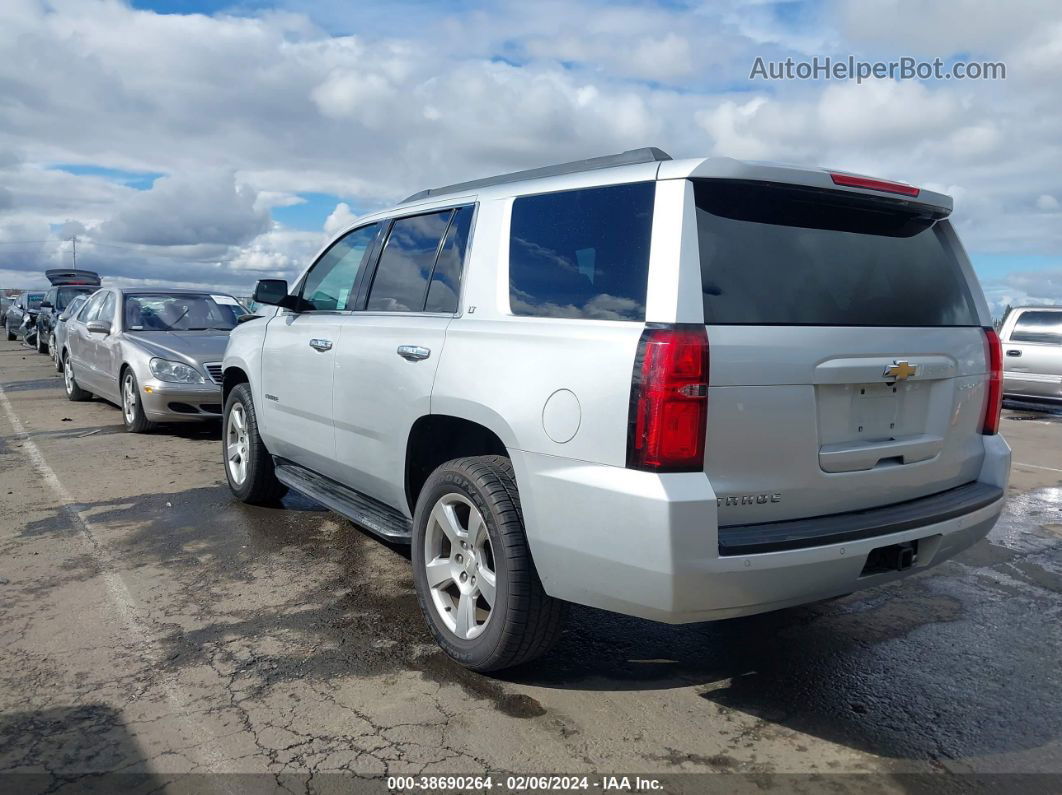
(373, 515)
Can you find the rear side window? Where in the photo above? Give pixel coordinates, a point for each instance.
(445, 284)
(582, 253)
(779, 255)
(1044, 327)
(407, 261)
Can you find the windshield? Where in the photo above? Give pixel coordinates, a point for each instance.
(181, 312)
(778, 255)
(66, 294)
(33, 300)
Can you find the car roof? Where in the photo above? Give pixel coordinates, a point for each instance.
(168, 291)
(636, 165)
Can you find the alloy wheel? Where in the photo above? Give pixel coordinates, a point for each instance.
(129, 398)
(459, 563)
(236, 444)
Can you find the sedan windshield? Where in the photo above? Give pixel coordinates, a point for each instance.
(181, 312)
(33, 300)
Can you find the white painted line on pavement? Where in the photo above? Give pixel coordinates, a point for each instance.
(1037, 466)
(118, 591)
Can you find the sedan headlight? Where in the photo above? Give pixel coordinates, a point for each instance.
(175, 372)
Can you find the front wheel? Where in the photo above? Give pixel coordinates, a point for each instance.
(472, 569)
(57, 355)
(42, 345)
(248, 465)
(136, 420)
(10, 336)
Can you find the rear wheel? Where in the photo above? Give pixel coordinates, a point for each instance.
(73, 391)
(136, 420)
(10, 336)
(42, 344)
(248, 464)
(475, 579)
(57, 355)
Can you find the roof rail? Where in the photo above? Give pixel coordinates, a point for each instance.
(647, 154)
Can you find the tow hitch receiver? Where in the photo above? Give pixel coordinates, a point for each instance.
(895, 557)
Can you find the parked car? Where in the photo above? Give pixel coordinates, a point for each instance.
(156, 352)
(21, 316)
(58, 337)
(681, 390)
(6, 300)
(66, 284)
(1032, 340)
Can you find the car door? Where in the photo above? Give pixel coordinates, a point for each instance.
(1032, 347)
(106, 350)
(81, 344)
(390, 348)
(298, 355)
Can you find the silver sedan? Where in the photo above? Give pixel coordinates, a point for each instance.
(155, 352)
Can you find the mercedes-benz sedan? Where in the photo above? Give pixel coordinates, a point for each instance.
(155, 352)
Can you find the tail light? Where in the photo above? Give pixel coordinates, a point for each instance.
(854, 181)
(994, 392)
(669, 400)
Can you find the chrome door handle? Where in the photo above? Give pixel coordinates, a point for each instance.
(1013, 353)
(321, 345)
(413, 352)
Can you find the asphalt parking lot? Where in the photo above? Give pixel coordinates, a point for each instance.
(151, 625)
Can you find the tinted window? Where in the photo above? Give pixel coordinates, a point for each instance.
(180, 312)
(406, 263)
(64, 295)
(330, 283)
(445, 286)
(33, 300)
(582, 253)
(73, 307)
(795, 256)
(1038, 327)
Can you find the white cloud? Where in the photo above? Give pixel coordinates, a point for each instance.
(243, 113)
(340, 218)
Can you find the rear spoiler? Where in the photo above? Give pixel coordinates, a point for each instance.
(63, 276)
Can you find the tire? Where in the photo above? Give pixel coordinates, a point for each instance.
(10, 337)
(73, 391)
(42, 346)
(252, 477)
(132, 406)
(522, 622)
(57, 355)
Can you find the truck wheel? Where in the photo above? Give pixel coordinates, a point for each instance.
(73, 391)
(248, 464)
(136, 420)
(472, 568)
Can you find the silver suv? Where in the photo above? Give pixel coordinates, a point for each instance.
(677, 389)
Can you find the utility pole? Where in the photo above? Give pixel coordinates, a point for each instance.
(74, 241)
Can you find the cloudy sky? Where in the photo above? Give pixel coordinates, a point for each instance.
(214, 143)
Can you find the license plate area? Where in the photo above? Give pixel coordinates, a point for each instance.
(872, 412)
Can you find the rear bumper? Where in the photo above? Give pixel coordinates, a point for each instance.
(648, 545)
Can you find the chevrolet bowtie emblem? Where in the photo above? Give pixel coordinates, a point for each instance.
(901, 370)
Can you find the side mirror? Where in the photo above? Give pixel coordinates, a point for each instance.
(271, 291)
(98, 327)
(244, 318)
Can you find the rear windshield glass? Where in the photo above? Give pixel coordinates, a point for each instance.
(582, 253)
(1038, 327)
(778, 255)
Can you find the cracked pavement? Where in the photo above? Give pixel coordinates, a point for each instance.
(152, 626)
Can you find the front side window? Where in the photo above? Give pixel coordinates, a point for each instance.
(582, 253)
(1038, 326)
(407, 261)
(91, 309)
(180, 312)
(329, 286)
